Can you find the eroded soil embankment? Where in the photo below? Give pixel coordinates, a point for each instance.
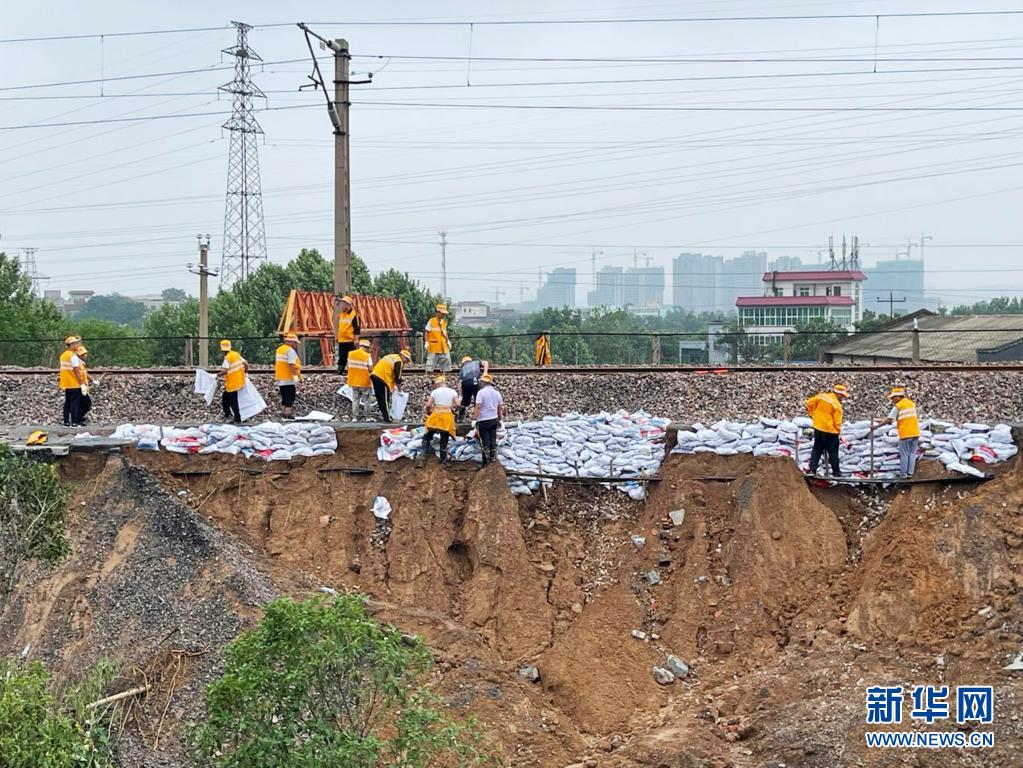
(783, 602)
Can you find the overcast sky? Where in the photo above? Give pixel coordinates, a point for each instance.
(715, 156)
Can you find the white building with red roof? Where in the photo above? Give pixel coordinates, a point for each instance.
(792, 298)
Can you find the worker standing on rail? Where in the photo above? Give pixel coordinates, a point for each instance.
(469, 372)
(233, 369)
(348, 330)
(86, 406)
(438, 344)
(904, 415)
(440, 417)
(488, 415)
(826, 411)
(542, 350)
(360, 363)
(386, 377)
(72, 382)
(287, 373)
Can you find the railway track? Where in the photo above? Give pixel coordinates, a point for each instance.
(582, 369)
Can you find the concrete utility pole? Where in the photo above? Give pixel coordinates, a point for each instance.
(204, 272)
(444, 265)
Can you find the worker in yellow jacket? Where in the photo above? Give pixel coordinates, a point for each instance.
(905, 416)
(72, 382)
(360, 364)
(542, 350)
(386, 377)
(438, 344)
(233, 369)
(826, 411)
(287, 373)
(440, 417)
(348, 330)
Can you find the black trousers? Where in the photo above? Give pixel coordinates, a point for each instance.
(229, 400)
(824, 442)
(84, 408)
(428, 443)
(383, 394)
(343, 348)
(487, 431)
(287, 395)
(469, 390)
(72, 406)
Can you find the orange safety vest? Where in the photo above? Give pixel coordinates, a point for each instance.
(282, 369)
(235, 378)
(345, 329)
(826, 411)
(384, 369)
(359, 366)
(67, 373)
(908, 421)
(437, 342)
(543, 351)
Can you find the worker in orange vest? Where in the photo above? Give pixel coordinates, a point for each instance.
(386, 377)
(360, 363)
(72, 382)
(233, 369)
(348, 330)
(287, 373)
(826, 411)
(906, 418)
(438, 345)
(542, 351)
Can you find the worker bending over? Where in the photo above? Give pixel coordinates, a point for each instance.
(360, 363)
(72, 382)
(233, 369)
(542, 350)
(440, 417)
(826, 411)
(488, 415)
(348, 330)
(469, 373)
(904, 415)
(287, 373)
(438, 344)
(386, 377)
(83, 355)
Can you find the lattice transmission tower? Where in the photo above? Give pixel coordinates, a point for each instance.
(244, 238)
(30, 270)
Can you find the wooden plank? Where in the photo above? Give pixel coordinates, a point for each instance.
(575, 478)
(898, 480)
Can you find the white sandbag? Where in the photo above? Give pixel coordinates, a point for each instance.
(398, 402)
(965, 469)
(250, 402)
(205, 385)
(381, 508)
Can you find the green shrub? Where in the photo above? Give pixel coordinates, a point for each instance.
(320, 684)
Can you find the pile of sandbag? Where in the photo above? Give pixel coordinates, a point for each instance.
(955, 446)
(269, 441)
(603, 445)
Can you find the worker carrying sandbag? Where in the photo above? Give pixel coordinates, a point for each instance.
(287, 373)
(826, 411)
(440, 418)
(469, 372)
(72, 382)
(438, 344)
(904, 415)
(386, 377)
(233, 369)
(542, 350)
(348, 330)
(360, 363)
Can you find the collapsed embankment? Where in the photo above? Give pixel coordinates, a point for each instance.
(785, 601)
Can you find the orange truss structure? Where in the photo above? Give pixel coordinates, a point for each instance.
(312, 314)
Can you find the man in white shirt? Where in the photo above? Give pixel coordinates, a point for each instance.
(488, 414)
(440, 419)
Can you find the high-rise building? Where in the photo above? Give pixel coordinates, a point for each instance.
(558, 291)
(694, 278)
(643, 287)
(739, 277)
(896, 279)
(608, 291)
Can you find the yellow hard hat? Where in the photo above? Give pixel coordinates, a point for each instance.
(365, 343)
(406, 354)
(36, 438)
(72, 340)
(840, 389)
(442, 308)
(291, 337)
(897, 392)
(439, 379)
(347, 300)
(81, 350)
(225, 345)
(487, 378)
(466, 359)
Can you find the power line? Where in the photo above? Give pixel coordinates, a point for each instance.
(639, 108)
(144, 118)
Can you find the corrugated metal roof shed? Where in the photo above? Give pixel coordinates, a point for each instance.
(943, 338)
